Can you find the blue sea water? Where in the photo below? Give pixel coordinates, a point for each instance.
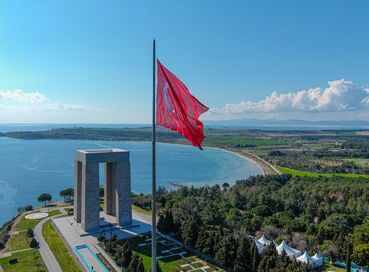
(41, 127)
(31, 167)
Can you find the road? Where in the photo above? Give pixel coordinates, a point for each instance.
(45, 251)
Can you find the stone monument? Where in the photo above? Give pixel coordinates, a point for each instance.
(117, 193)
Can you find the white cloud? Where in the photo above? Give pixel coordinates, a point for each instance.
(22, 101)
(340, 96)
(23, 97)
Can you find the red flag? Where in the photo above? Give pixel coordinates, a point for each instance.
(177, 109)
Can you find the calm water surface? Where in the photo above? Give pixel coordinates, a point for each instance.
(31, 167)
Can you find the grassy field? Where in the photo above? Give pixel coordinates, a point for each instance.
(21, 241)
(294, 172)
(18, 241)
(57, 246)
(25, 224)
(27, 261)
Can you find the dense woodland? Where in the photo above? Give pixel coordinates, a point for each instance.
(328, 215)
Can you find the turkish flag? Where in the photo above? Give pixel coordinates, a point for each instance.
(177, 109)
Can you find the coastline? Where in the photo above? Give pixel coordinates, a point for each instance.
(265, 167)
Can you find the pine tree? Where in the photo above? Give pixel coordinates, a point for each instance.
(190, 230)
(221, 256)
(162, 224)
(242, 262)
(254, 258)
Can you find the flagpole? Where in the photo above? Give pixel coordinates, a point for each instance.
(153, 227)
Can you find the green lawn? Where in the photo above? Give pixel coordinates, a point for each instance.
(28, 261)
(18, 241)
(25, 224)
(21, 241)
(57, 246)
(294, 172)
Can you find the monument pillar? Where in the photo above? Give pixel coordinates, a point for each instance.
(77, 191)
(109, 191)
(90, 211)
(122, 172)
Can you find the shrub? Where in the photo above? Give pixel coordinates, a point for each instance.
(34, 243)
(30, 233)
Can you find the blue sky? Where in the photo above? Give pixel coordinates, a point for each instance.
(90, 61)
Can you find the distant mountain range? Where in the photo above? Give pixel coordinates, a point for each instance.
(288, 124)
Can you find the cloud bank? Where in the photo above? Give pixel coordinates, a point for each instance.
(340, 96)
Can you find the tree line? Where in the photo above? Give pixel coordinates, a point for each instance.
(326, 215)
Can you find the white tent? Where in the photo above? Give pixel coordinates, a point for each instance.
(262, 243)
(305, 258)
(291, 252)
(259, 246)
(318, 260)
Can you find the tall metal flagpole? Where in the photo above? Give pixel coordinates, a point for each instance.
(153, 227)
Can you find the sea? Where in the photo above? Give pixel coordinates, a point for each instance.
(29, 168)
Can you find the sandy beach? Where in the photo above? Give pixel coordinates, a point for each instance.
(265, 167)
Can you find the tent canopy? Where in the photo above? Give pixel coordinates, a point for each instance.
(264, 241)
(289, 250)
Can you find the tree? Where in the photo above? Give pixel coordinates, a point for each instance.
(190, 230)
(34, 243)
(225, 186)
(101, 238)
(67, 194)
(30, 233)
(349, 254)
(242, 262)
(44, 198)
(126, 256)
(361, 254)
(166, 222)
(227, 252)
(254, 258)
(24, 209)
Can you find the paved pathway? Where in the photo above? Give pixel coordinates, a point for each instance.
(45, 251)
(10, 253)
(146, 218)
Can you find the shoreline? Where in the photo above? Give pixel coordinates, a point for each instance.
(265, 167)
